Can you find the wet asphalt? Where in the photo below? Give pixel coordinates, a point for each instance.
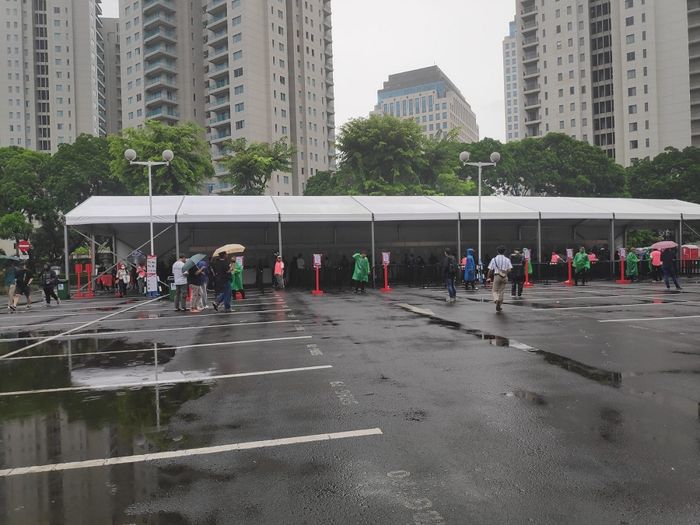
(575, 405)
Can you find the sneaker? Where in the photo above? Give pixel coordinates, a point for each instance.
(29, 306)
(498, 307)
(12, 308)
(215, 306)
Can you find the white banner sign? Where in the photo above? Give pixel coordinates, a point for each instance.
(317, 260)
(386, 258)
(526, 253)
(151, 276)
(623, 253)
(569, 253)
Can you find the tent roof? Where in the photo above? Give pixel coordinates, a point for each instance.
(221, 209)
(227, 208)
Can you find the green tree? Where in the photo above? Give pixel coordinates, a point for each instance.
(22, 183)
(186, 173)
(15, 226)
(80, 170)
(672, 174)
(250, 166)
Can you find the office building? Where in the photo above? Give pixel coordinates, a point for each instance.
(615, 74)
(269, 71)
(431, 99)
(510, 84)
(52, 89)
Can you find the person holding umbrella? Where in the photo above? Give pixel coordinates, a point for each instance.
(668, 264)
(221, 268)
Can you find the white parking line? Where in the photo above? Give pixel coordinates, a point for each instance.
(648, 319)
(146, 330)
(181, 347)
(195, 379)
(154, 318)
(633, 305)
(249, 445)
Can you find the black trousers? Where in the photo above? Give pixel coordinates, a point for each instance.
(359, 286)
(582, 275)
(517, 286)
(49, 293)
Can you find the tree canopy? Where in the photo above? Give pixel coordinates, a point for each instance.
(250, 166)
(673, 174)
(187, 172)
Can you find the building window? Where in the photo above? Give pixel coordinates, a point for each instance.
(236, 21)
(237, 37)
(634, 144)
(240, 124)
(237, 55)
(632, 109)
(629, 21)
(238, 72)
(238, 90)
(239, 107)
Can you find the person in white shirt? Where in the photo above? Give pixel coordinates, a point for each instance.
(499, 268)
(180, 285)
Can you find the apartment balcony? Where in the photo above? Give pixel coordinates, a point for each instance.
(528, 58)
(327, 7)
(220, 135)
(532, 103)
(219, 120)
(219, 86)
(219, 71)
(530, 88)
(528, 10)
(161, 66)
(218, 102)
(165, 49)
(152, 83)
(330, 94)
(530, 41)
(151, 5)
(217, 22)
(160, 33)
(218, 55)
(163, 112)
(531, 73)
(328, 50)
(529, 26)
(218, 38)
(329, 80)
(216, 6)
(161, 97)
(533, 118)
(159, 18)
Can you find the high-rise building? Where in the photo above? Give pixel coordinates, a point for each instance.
(510, 84)
(52, 89)
(270, 76)
(431, 99)
(113, 76)
(613, 73)
(162, 64)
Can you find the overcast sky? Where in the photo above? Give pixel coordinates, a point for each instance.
(374, 38)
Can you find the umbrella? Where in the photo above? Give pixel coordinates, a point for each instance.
(229, 249)
(192, 261)
(664, 245)
(9, 258)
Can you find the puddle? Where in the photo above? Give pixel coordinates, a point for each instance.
(532, 397)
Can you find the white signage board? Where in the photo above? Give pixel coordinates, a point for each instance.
(151, 275)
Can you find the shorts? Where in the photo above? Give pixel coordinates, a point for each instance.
(22, 290)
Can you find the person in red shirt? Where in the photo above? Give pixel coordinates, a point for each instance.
(655, 265)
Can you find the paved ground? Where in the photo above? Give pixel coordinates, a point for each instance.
(576, 405)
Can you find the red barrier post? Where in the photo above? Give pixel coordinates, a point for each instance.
(570, 280)
(78, 271)
(528, 283)
(318, 290)
(88, 272)
(622, 279)
(386, 288)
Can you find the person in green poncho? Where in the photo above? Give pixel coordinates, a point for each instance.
(237, 278)
(632, 265)
(582, 265)
(361, 273)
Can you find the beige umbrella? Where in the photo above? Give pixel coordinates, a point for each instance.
(230, 249)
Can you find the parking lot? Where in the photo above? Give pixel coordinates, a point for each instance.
(575, 405)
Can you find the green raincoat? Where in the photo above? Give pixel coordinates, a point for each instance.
(632, 265)
(581, 262)
(237, 277)
(361, 272)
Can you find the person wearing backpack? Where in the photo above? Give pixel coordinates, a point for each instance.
(450, 269)
(48, 280)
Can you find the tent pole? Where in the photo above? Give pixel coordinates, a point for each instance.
(539, 245)
(612, 247)
(65, 252)
(374, 284)
(93, 255)
(459, 236)
(680, 233)
(177, 239)
(279, 234)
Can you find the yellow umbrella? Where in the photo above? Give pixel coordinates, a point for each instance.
(230, 249)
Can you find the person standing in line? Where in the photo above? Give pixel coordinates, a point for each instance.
(180, 282)
(194, 280)
(668, 262)
(48, 280)
(655, 264)
(24, 277)
(361, 272)
(10, 284)
(123, 279)
(582, 264)
(517, 274)
(222, 282)
(449, 272)
(141, 278)
(203, 267)
(632, 265)
(470, 270)
(499, 267)
(278, 274)
(237, 279)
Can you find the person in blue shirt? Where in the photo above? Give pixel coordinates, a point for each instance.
(10, 282)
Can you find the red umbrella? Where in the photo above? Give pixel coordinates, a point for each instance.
(664, 245)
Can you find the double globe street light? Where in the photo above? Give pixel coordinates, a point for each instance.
(130, 155)
(495, 159)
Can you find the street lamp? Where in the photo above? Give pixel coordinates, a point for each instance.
(168, 155)
(464, 159)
